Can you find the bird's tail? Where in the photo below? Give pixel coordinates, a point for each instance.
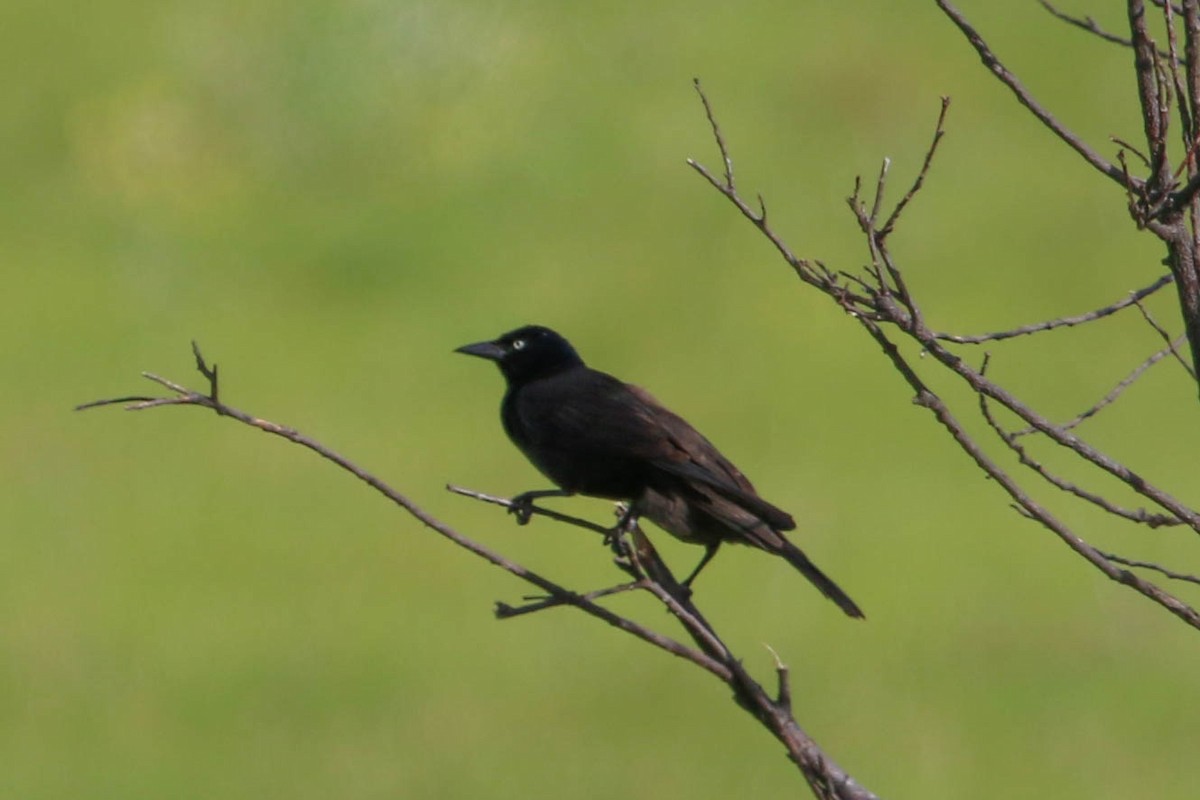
(797, 559)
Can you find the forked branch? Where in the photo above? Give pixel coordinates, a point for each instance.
(636, 557)
(882, 301)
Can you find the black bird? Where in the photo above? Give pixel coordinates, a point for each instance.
(591, 434)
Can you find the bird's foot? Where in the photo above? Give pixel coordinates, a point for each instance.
(612, 540)
(521, 507)
(626, 522)
(522, 504)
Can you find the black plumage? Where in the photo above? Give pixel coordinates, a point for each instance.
(592, 434)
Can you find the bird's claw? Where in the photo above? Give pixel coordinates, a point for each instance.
(521, 507)
(612, 537)
(626, 522)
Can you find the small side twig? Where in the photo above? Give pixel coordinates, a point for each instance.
(784, 695)
(1129, 562)
(1061, 322)
(1166, 337)
(726, 158)
(878, 309)
(507, 611)
(938, 134)
(1088, 24)
(651, 574)
(1111, 396)
(1140, 515)
(534, 509)
(1025, 98)
(188, 397)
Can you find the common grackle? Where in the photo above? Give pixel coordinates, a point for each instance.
(591, 434)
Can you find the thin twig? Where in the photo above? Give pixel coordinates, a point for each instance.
(993, 63)
(1186, 127)
(716, 131)
(1124, 145)
(1088, 24)
(938, 133)
(533, 509)
(930, 400)
(188, 397)
(1150, 98)
(875, 309)
(506, 611)
(1056, 433)
(1166, 337)
(1177, 10)
(1129, 562)
(712, 654)
(884, 168)
(1112, 393)
(784, 695)
(879, 309)
(1062, 322)
(1140, 515)
(805, 269)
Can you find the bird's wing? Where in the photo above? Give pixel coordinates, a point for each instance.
(691, 456)
(592, 414)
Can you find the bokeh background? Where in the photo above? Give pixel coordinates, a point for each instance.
(330, 197)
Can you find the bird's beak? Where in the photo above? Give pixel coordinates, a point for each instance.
(489, 350)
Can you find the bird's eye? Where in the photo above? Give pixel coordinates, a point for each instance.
(518, 344)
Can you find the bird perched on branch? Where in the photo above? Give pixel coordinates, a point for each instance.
(591, 434)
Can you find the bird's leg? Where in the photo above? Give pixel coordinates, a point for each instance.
(709, 552)
(522, 504)
(627, 520)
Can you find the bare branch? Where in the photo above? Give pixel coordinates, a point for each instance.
(1150, 95)
(506, 611)
(1172, 59)
(210, 373)
(651, 574)
(1129, 562)
(185, 397)
(808, 271)
(1191, 20)
(716, 131)
(1088, 24)
(1139, 515)
(1172, 344)
(1177, 10)
(1124, 145)
(1034, 510)
(938, 133)
(877, 307)
(879, 184)
(535, 510)
(1061, 322)
(1056, 434)
(1112, 393)
(784, 696)
(993, 63)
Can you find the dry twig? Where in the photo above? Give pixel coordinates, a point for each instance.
(882, 299)
(637, 558)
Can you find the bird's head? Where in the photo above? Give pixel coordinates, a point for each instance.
(527, 353)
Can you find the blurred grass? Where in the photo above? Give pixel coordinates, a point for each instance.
(330, 197)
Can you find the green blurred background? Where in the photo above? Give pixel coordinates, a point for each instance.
(330, 197)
